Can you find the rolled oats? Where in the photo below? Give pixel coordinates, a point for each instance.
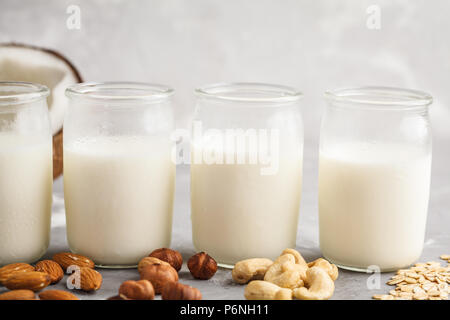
(423, 281)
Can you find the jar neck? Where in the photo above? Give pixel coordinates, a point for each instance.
(119, 94)
(248, 94)
(377, 109)
(385, 99)
(17, 95)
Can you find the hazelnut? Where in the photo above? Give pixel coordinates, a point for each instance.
(116, 298)
(159, 275)
(137, 290)
(202, 266)
(179, 291)
(170, 256)
(149, 260)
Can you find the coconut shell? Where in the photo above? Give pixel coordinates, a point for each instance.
(58, 154)
(58, 137)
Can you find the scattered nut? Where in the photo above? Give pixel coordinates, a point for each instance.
(149, 260)
(8, 270)
(285, 273)
(179, 291)
(116, 298)
(53, 269)
(66, 259)
(90, 279)
(250, 269)
(137, 290)
(18, 295)
(202, 266)
(159, 275)
(330, 268)
(170, 256)
(57, 295)
(31, 280)
(263, 290)
(290, 272)
(319, 285)
(298, 257)
(300, 263)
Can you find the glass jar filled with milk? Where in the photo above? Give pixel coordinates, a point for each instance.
(118, 173)
(374, 177)
(246, 170)
(26, 174)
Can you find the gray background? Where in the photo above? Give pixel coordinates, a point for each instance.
(310, 45)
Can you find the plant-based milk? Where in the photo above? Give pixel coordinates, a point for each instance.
(373, 204)
(26, 180)
(119, 197)
(239, 213)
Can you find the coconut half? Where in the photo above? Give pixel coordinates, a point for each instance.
(20, 62)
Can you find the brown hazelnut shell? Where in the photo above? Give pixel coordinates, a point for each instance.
(202, 266)
(159, 275)
(170, 256)
(179, 291)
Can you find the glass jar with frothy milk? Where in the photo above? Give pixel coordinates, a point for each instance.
(246, 170)
(119, 177)
(26, 172)
(374, 177)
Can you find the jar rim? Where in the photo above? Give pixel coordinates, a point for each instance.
(249, 92)
(380, 97)
(120, 91)
(21, 92)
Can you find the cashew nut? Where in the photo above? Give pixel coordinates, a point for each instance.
(298, 257)
(250, 269)
(284, 272)
(263, 290)
(319, 285)
(330, 268)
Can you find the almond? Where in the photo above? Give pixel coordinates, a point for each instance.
(53, 269)
(32, 280)
(8, 270)
(90, 279)
(57, 295)
(66, 259)
(18, 295)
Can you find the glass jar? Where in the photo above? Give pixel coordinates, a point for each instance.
(374, 177)
(118, 173)
(246, 170)
(26, 172)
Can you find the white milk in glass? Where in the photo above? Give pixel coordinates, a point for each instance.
(26, 179)
(119, 197)
(373, 204)
(239, 213)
